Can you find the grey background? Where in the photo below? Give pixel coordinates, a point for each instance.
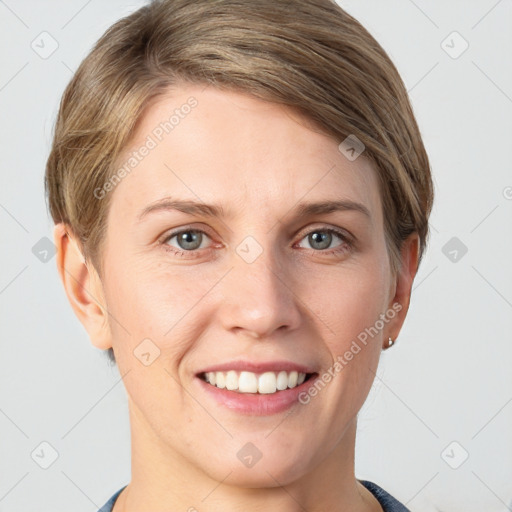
(442, 394)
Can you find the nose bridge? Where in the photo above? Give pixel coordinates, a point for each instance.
(260, 294)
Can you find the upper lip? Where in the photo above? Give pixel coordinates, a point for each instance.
(258, 367)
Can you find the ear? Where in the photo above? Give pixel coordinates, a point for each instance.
(403, 284)
(83, 287)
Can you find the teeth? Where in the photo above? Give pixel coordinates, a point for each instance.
(220, 379)
(231, 380)
(249, 382)
(282, 381)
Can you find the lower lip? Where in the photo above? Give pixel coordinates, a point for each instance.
(256, 403)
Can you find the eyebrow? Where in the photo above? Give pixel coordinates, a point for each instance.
(212, 210)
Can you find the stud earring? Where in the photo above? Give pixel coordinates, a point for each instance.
(389, 344)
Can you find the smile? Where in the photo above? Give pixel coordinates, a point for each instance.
(259, 383)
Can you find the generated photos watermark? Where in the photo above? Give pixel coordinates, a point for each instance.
(342, 360)
(150, 143)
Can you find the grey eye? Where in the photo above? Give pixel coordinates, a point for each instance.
(188, 240)
(320, 239)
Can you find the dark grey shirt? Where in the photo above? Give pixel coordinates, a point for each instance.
(387, 502)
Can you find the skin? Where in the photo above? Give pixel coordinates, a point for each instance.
(295, 302)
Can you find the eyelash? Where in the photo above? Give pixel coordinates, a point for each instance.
(347, 244)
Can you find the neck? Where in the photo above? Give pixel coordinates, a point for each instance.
(162, 479)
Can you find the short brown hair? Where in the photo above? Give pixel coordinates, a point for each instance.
(309, 55)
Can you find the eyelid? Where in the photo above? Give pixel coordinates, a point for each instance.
(302, 232)
(350, 238)
(173, 232)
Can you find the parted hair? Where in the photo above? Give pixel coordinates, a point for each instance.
(309, 55)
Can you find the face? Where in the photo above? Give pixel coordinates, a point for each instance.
(261, 278)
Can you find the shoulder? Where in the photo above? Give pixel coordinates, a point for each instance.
(110, 503)
(387, 502)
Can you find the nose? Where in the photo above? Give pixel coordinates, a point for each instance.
(260, 298)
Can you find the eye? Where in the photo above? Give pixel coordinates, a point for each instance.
(320, 239)
(187, 240)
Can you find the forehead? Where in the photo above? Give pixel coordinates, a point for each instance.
(230, 148)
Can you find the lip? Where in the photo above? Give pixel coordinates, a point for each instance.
(255, 404)
(258, 367)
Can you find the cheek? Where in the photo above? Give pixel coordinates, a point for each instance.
(349, 301)
(351, 306)
(149, 301)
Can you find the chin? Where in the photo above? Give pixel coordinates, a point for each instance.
(272, 471)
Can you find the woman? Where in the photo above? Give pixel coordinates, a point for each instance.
(241, 197)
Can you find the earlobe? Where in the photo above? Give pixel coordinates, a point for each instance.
(83, 287)
(404, 280)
